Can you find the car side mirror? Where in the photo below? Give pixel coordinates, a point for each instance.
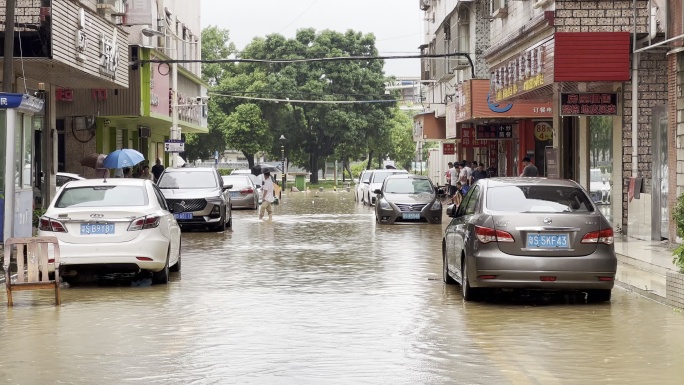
(227, 187)
(177, 208)
(377, 191)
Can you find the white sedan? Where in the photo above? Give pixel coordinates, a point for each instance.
(114, 224)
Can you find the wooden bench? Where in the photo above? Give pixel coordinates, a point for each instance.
(31, 256)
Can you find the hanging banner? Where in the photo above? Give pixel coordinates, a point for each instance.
(469, 140)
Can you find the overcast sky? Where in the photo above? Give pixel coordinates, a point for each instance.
(396, 24)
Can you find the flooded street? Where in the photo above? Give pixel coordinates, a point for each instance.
(323, 295)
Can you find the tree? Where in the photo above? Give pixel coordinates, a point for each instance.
(402, 146)
(246, 131)
(318, 130)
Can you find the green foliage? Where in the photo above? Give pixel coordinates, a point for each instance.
(246, 130)
(224, 171)
(357, 169)
(678, 216)
(37, 213)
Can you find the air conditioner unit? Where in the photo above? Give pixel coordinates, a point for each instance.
(460, 63)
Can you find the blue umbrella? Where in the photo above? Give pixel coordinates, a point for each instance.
(125, 157)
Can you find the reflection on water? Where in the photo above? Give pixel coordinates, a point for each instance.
(321, 294)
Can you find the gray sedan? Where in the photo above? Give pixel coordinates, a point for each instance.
(407, 198)
(529, 233)
(243, 194)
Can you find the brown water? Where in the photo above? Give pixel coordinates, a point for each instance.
(322, 295)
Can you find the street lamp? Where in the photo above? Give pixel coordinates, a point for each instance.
(282, 161)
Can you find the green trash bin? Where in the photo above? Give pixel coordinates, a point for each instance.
(300, 182)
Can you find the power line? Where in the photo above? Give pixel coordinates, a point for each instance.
(288, 100)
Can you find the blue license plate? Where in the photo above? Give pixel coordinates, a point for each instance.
(182, 215)
(97, 228)
(234, 194)
(410, 215)
(547, 241)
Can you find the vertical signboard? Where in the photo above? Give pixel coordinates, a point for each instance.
(551, 162)
(493, 153)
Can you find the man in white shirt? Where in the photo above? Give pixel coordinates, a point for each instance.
(453, 178)
(267, 196)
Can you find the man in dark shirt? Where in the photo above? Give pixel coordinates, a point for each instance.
(157, 169)
(529, 169)
(479, 173)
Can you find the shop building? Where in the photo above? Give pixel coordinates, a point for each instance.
(580, 56)
(140, 116)
(60, 44)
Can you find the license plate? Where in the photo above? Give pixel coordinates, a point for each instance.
(234, 194)
(547, 241)
(410, 215)
(182, 215)
(97, 228)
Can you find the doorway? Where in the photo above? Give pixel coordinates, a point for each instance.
(569, 151)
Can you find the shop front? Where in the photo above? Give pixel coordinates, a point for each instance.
(497, 134)
(582, 74)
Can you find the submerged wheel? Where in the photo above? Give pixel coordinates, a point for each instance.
(445, 272)
(469, 293)
(162, 277)
(177, 267)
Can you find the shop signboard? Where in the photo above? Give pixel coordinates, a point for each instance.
(476, 102)
(494, 131)
(551, 162)
(448, 148)
(493, 153)
(469, 140)
(174, 145)
(543, 131)
(526, 71)
(586, 103)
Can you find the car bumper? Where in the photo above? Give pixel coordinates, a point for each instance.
(150, 245)
(391, 216)
(524, 272)
(243, 203)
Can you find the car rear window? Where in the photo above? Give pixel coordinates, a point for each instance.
(238, 183)
(188, 180)
(103, 196)
(408, 186)
(379, 176)
(538, 199)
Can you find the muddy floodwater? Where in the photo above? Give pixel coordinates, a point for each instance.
(323, 295)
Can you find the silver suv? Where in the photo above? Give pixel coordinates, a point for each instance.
(203, 195)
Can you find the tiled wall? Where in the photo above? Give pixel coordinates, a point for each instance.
(674, 289)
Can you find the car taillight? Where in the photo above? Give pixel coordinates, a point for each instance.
(603, 236)
(49, 224)
(142, 223)
(486, 235)
(246, 191)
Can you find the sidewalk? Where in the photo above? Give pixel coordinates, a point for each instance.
(643, 267)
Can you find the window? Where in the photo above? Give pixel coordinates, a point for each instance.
(471, 206)
(103, 196)
(160, 198)
(538, 199)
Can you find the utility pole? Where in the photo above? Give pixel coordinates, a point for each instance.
(8, 68)
(175, 131)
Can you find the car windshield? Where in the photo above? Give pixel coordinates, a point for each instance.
(188, 180)
(408, 186)
(379, 176)
(102, 196)
(238, 182)
(538, 199)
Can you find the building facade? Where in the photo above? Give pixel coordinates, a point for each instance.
(140, 116)
(597, 64)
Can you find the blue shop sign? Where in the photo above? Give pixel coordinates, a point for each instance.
(22, 102)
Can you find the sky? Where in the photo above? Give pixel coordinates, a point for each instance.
(396, 24)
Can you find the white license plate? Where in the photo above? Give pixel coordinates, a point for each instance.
(547, 241)
(410, 215)
(97, 228)
(182, 215)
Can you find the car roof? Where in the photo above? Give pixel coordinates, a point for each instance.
(527, 181)
(70, 175)
(241, 171)
(107, 182)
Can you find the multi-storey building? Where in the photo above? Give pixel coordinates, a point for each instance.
(57, 44)
(141, 116)
(588, 67)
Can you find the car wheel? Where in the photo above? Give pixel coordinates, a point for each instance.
(600, 295)
(469, 293)
(177, 267)
(445, 272)
(162, 277)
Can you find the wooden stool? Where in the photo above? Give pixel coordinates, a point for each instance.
(32, 268)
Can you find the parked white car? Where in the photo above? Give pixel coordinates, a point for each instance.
(599, 186)
(114, 224)
(375, 182)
